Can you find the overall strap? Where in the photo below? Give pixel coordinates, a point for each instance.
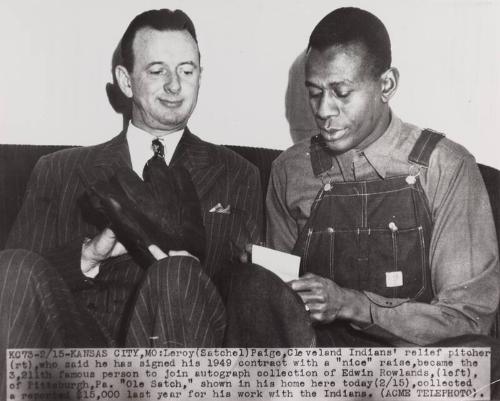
(422, 150)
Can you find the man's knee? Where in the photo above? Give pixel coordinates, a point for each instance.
(177, 274)
(23, 264)
(245, 280)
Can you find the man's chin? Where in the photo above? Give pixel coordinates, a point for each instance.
(339, 147)
(164, 125)
(172, 120)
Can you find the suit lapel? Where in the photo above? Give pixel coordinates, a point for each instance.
(201, 159)
(109, 157)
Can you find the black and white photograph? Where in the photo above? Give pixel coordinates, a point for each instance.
(249, 200)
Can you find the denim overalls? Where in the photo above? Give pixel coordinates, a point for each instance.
(371, 236)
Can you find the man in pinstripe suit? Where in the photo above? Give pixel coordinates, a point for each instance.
(66, 283)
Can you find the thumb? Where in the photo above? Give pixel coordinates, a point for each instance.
(157, 253)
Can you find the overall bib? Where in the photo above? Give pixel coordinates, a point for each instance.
(372, 236)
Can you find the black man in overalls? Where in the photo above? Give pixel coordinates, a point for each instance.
(392, 222)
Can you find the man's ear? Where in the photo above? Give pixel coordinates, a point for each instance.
(389, 81)
(123, 79)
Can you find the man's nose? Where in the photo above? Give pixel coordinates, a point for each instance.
(172, 84)
(327, 107)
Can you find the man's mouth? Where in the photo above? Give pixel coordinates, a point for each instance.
(333, 134)
(172, 104)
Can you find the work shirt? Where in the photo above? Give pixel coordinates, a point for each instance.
(463, 248)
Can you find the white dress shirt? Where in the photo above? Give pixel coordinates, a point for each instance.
(139, 144)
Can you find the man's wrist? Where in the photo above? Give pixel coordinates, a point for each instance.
(356, 308)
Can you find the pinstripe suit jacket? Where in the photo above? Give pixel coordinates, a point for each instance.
(50, 221)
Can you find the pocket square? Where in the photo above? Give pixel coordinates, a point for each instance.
(218, 208)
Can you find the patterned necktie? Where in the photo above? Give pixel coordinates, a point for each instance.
(157, 161)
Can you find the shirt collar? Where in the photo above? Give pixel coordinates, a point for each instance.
(376, 153)
(139, 144)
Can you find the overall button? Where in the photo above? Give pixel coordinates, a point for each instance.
(327, 187)
(393, 227)
(410, 180)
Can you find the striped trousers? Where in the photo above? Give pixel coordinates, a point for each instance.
(171, 304)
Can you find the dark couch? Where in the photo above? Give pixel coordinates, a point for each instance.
(17, 161)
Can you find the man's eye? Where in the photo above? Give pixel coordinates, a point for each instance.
(157, 72)
(314, 94)
(187, 71)
(342, 94)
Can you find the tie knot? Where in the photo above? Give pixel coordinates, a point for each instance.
(158, 149)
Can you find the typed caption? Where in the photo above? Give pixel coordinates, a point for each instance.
(248, 373)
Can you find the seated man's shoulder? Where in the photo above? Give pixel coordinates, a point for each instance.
(449, 164)
(297, 154)
(447, 153)
(76, 153)
(450, 150)
(233, 161)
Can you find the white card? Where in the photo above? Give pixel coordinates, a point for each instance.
(284, 265)
(394, 279)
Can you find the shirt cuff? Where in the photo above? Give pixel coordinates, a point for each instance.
(384, 302)
(376, 327)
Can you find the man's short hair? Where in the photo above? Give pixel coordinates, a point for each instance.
(161, 20)
(350, 25)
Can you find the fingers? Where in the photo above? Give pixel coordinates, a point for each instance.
(99, 248)
(307, 282)
(157, 253)
(312, 296)
(118, 250)
(244, 257)
(182, 253)
(104, 242)
(319, 295)
(108, 234)
(316, 310)
(246, 254)
(107, 246)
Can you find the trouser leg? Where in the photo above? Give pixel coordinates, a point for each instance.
(110, 301)
(262, 310)
(176, 306)
(28, 301)
(37, 310)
